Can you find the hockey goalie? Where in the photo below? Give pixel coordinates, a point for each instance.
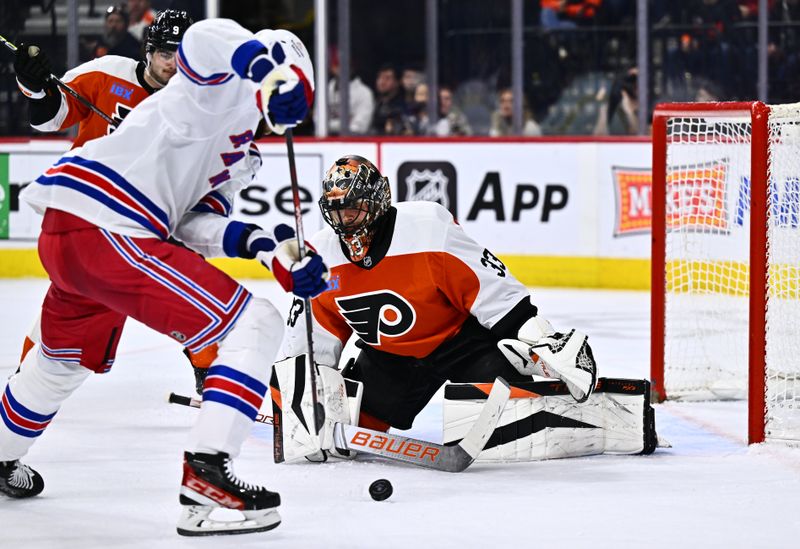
(428, 305)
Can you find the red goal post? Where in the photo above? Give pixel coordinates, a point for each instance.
(725, 278)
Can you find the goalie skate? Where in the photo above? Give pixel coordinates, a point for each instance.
(209, 485)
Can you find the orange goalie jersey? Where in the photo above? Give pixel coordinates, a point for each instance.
(421, 279)
(114, 84)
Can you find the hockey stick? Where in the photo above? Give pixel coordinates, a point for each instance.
(191, 402)
(319, 412)
(451, 459)
(429, 455)
(69, 90)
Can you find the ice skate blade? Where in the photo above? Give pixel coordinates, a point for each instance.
(195, 522)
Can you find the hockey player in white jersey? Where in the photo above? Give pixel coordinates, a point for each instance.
(109, 207)
(115, 85)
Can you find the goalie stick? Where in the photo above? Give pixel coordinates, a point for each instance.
(451, 459)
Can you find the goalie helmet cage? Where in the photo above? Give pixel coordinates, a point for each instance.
(725, 306)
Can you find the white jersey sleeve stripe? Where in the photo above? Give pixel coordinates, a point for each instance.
(106, 186)
(214, 202)
(193, 76)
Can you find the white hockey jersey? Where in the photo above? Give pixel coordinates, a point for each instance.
(178, 146)
(411, 297)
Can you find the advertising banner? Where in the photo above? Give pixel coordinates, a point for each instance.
(565, 213)
(4, 195)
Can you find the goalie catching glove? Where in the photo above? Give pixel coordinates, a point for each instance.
(541, 351)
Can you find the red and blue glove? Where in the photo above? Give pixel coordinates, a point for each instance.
(291, 107)
(304, 277)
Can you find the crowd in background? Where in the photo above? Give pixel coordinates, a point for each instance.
(397, 104)
(580, 75)
(123, 31)
(579, 68)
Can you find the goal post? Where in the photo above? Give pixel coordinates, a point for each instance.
(725, 306)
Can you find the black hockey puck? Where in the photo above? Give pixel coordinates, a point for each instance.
(381, 489)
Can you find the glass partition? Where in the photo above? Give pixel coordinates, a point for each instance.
(579, 69)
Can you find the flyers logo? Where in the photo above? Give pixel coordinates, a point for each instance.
(120, 112)
(377, 314)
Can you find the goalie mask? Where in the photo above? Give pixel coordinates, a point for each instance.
(354, 197)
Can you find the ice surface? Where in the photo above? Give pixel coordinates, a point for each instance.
(112, 459)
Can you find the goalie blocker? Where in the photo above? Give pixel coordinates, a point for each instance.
(542, 421)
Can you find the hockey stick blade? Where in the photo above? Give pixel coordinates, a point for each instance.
(174, 398)
(451, 459)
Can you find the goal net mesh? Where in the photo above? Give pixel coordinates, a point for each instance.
(707, 263)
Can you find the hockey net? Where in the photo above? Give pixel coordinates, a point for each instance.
(726, 218)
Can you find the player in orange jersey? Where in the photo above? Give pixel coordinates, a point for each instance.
(427, 303)
(115, 85)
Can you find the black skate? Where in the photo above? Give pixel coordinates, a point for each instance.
(199, 379)
(209, 484)
(17, 480)
(199, 373)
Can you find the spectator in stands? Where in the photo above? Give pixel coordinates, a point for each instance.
(502, 118)
(361, 101)
(418, 120)
(715, 48)
(783, 52)
(116, 40)
(707, 91)
(141, 15)
(785, 11)
(390, 106)
(749, 8)
(618, 113)
(451, 120)
(410, 79)
(567, 14)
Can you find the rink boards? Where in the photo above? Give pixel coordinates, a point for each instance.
(559, 212)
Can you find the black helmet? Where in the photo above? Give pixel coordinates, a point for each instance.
(354, 183)
(167, 30)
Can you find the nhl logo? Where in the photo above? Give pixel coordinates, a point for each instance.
(431, 181)
(367, 261)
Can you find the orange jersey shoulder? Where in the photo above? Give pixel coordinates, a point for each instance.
(414, 299)
(112, 85)
(398, 307)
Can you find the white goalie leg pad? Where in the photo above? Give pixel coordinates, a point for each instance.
(237, 380)
(293, 415)
(542, 421)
